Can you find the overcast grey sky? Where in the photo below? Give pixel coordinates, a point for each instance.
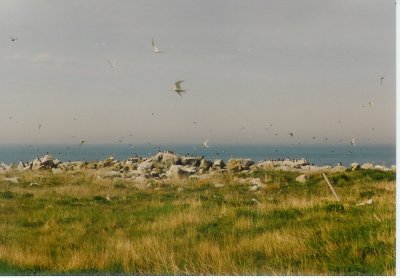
(301, 66)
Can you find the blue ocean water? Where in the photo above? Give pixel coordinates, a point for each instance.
(316, 154)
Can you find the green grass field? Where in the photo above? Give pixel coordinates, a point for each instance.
(77, 223)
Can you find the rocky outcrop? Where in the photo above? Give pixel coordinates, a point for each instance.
(108, 162)
(382, 168)
(238, 165)
(47, 161)
(167, 158)
(192, 161)
(268, 164)
(166, 164)
(354, 166)
(205, 164)
(145, 166)
(367, 166)
(36, 164)
(218, 164)
(21, 166)
(179, 171)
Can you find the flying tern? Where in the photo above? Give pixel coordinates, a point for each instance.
(155, 48)
(177, 87)
(205, 144)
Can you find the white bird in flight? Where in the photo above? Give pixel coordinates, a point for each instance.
(177, 88)
(13, 39)
(155, 48)
(205, 144)
(353, 142)
(112, 64)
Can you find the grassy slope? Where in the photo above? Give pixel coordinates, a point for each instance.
(67, 226)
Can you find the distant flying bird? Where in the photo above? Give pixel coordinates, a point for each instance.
(291, 134)
(353, 142)
(39, 126)
(13, 39)
(82, 142)
(381, 79)
(112, 64)
(370, 103)
(314, 137)
(177, 87)
(205, 144)
(10, 117)
(155, 49)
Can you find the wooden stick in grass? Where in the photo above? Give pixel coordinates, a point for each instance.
(331, 187)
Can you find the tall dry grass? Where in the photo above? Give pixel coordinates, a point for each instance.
(77, 223)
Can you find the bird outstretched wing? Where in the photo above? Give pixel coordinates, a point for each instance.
(155, 48)
(178, 84)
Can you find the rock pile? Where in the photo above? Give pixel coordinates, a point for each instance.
(166, 164)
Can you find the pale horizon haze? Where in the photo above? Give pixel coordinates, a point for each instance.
(252, 69)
